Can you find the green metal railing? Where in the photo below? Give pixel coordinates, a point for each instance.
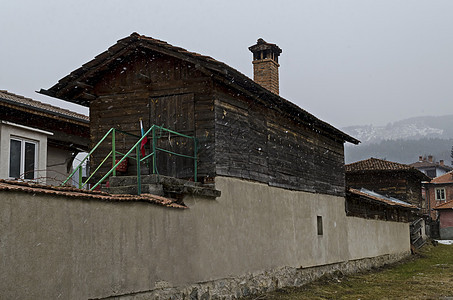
(113, 154)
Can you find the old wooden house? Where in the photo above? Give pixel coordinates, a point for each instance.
(366, 204)
(387, 178)
(279, 169)
(243, 127)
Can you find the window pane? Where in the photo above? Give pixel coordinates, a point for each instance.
(319, 221)
(14, 159)
(29, 169)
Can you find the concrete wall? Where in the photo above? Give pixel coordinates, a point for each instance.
(370, 238)
(55, 247)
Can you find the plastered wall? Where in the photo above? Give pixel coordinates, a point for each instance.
(56, 247)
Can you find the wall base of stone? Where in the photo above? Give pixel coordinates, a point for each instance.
(261, 282)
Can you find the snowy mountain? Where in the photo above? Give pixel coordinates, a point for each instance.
(408, 129)
(403, 141)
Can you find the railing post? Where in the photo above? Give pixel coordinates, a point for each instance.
(154, 149)
(86, 157)
(113, 152)
(139, 180)
(80, 176)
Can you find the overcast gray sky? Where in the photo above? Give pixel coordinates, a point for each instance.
(348, 62)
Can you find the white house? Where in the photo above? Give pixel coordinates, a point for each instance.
(39, 141)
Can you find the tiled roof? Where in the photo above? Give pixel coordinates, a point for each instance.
(446, 178)
(78, 80)
(21, 101)
(446, 205)
(427, 164)
(15, 186)
(374, 164)
(382, 199)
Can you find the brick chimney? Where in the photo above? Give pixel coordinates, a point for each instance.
(441, 162)
(265, 64)
(430, 158)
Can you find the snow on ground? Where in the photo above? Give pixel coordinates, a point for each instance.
(445, 242)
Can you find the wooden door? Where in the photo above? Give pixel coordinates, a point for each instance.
(175, 112)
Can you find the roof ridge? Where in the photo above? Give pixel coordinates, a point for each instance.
(228, 73)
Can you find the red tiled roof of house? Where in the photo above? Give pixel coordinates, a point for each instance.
(10, 99)
(79, 80)
(374, 164)
(381, 200)
(446, 205)
(71, 192)
(446, 178)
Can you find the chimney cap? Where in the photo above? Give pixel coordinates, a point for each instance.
(263, 45)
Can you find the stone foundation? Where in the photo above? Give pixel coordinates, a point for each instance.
(258, 283)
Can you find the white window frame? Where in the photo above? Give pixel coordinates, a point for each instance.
(22, 157)
(440, 191)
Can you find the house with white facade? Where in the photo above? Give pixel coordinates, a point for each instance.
(38, 141)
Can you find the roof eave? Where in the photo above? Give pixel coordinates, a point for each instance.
(52, 113)
(90, 69)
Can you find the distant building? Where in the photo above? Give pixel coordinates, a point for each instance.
(431, 168)
(438, 191)
(387, 178)
(38, 141)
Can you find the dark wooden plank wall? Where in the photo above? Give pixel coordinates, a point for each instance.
(236, 136)
(174, 112)
(254, 142)
(398, 184)
(414, 191)
(161, 90)
(356, 207)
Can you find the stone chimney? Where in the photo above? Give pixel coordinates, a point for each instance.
(420, 158)
(441, 162)
(265, 64)
(430, 158)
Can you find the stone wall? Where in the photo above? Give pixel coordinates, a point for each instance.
(261, 282)
(253, 238)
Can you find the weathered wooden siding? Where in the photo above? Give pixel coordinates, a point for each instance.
(356, 207)
(257, 143)
(395, 184)
(159, 90)
(414, 191)
(236, 136)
